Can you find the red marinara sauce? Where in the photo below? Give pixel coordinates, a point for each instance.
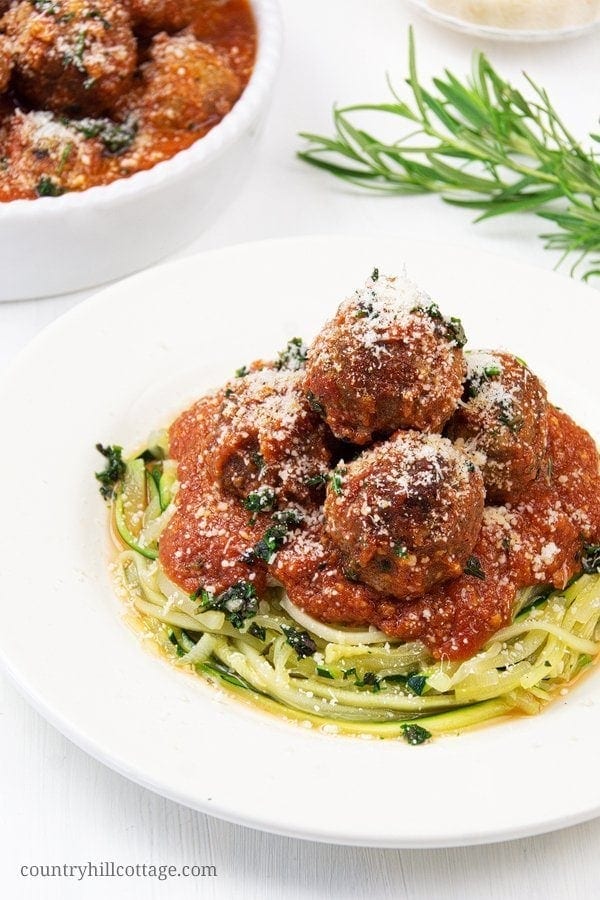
(87, 98)
(537, 540)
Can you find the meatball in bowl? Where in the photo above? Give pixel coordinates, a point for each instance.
(125, 125)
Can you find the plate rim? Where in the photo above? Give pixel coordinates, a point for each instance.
(69, 730)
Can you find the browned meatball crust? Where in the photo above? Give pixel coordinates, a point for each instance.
(44, 157)
(269, 440)
(406, 514)
(72, 55)
(503, 423)
(387, 360)
(187, 84)
(6, 63)
(151, 16)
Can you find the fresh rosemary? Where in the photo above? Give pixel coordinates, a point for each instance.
(481, 145)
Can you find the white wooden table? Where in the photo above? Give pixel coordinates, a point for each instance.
(60, 806)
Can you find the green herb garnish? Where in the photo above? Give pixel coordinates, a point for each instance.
(294, 355)
(261, 500)
(46, 187)
(480, 144)
(116, 137)
(300, 641)
(590, 559)
(239, 602)
(416, 683)
(258, 632)
(114, 471)
(316, 480)
(315, 404)
(414, 734)
(336, 480)
(473, 567)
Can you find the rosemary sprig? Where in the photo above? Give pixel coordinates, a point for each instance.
(479, 144)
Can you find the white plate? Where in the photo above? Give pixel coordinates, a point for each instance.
(124, 362)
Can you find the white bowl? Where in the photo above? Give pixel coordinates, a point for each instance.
(53, 245)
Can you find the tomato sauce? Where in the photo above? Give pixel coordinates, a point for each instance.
(180, 86)
(535, 541)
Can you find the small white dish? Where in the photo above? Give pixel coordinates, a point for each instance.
(54, 245)
(588, 22)
(123, 363)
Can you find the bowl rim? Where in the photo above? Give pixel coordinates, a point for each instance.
(267, 15)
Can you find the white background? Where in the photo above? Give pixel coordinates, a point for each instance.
(60, 806)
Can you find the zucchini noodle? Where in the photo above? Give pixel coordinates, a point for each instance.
(357, 681)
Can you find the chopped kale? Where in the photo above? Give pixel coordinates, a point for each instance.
(300, 641)
(273, 539)
(400, 551)
(336, 480)
(455, 331)
(239, 602)
(369, 679)
(258, 632)
(316, 480)
(294, 355)
(414, 734)
(451, 328)
(473, 567)
(365, 310)
(260, 500)
(290, 518)
(590, 559)
(375, 275)
(114, 471)
(416, 683)
(242, 372)
(116, 137)
(315, 404)
(47, 187)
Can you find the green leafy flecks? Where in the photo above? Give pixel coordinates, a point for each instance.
(473, 567)
(116, 137)
(113, 472)
(47, 187)
(294, 355)
(414, 734)
(239, 602)
(299, 640)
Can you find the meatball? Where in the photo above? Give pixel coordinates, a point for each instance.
(151, 16)
(6, 63)
(503, 423)
(270, 441)
(406, 514)
(72, 55)
(45, 157)
(388, 360)
(187, 85)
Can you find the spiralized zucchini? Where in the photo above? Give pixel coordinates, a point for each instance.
(357, 682)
